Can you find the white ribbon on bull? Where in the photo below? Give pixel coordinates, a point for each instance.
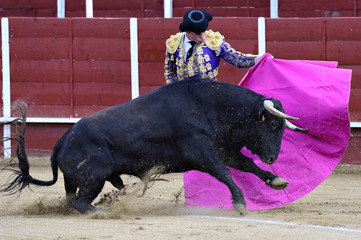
(269, 106)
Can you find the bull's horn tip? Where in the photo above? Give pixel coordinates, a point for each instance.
(294, 118)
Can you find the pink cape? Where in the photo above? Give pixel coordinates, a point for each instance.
(315, 91)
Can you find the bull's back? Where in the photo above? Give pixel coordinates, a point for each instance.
(146, 129)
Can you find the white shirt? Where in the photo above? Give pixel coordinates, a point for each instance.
(186, 46)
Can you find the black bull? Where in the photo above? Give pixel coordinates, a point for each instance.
(189, 125)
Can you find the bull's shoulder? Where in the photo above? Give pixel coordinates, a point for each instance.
(172, 42)
(213, 40)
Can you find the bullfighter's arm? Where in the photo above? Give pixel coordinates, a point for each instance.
(170, 69)
(238, 59)
(170, 62)
(215, 41)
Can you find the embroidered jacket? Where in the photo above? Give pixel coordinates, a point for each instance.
(205, 58)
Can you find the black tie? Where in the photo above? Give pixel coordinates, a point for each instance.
(189, 53)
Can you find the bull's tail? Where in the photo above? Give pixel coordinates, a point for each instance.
(20, 177)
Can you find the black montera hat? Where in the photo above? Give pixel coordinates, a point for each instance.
(195, 21)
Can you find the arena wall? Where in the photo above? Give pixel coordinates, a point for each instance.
(154, 8)
(73, 67)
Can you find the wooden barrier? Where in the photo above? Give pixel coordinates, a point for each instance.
(154, 8)
(321, 8)
(74, 67)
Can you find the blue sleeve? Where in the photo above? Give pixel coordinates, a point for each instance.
(236, 58)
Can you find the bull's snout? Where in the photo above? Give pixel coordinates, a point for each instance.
(270, 160)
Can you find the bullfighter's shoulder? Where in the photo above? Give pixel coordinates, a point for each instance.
(172, 42)
(213, 40)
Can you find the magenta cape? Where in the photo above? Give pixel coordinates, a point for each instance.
(318, 93)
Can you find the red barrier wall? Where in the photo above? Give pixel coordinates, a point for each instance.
(225, 8)
(134, 8)
(28, 8)
(320, 8)
(74, 67)
(154, 8)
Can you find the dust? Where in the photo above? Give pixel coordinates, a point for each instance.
(40, 206)
(112, 203)
(129, 202)
(132, 206)
(45, 206)
(133, 201)
(163, 195)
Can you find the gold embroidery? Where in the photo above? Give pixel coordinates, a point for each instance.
(202, 68)
(215, 71)
(207, 58)
(172, 42)
(213, 40)
(209, 66)
(190, 70)
(181, 54)
(211, 75)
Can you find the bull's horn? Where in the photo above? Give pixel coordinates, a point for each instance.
(294, 127)
(269, 106)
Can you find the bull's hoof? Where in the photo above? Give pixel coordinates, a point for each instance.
(278, 183)
(241, 208)
(87, 208)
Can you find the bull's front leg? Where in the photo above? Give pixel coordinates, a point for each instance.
(247, 164)
(224, 175)
(200, 154)
(206, 160)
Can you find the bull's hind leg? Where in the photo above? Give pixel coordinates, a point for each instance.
(86, 195)
(70, 190)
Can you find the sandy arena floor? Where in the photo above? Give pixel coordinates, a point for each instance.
(331, 211)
